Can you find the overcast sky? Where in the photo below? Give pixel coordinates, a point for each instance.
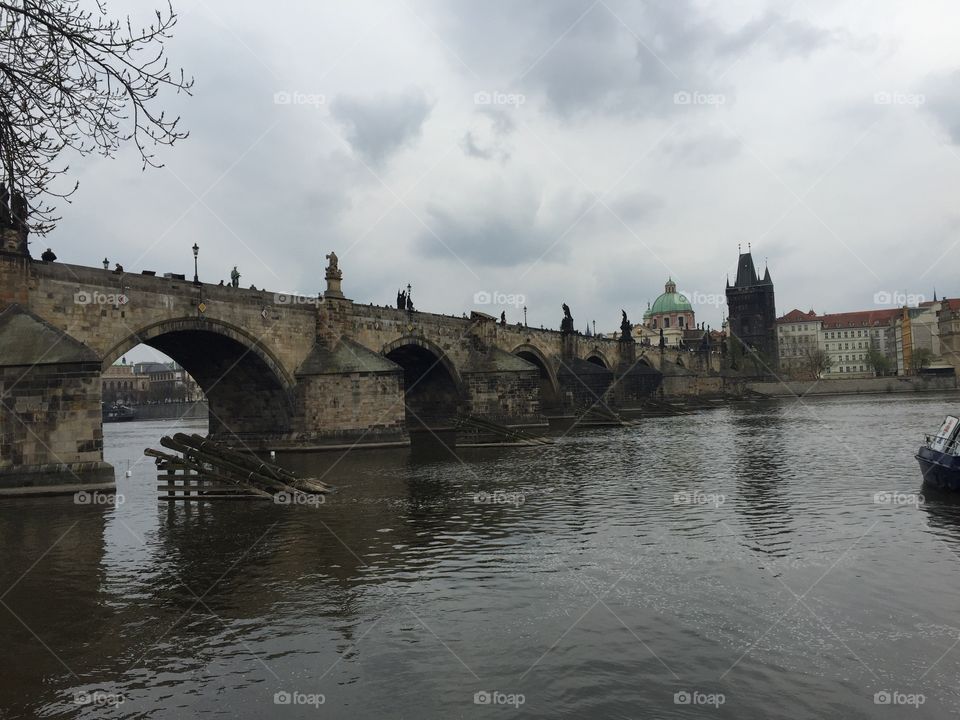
(556, 150)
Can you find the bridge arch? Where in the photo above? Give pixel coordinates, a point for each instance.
(549, 385)
(597, 357)
(249, 392)
(434, 391)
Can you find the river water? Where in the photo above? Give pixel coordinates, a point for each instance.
(730, 563)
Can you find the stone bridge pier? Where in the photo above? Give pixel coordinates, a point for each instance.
(280, 371)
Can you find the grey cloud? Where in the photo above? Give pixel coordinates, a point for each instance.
(617, 57)
(503, 227)
(703, 150)
(942, 101)
(376, 126)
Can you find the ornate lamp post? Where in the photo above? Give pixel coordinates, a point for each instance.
(196, 252)
(106, 264)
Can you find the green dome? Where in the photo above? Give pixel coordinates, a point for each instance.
(671, 301)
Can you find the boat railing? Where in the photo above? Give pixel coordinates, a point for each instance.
(950, 448)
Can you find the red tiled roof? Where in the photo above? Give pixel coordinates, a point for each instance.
(952, 304)
(797, 316)
(862, 318)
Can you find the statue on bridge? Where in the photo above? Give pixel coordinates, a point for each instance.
(334, 277)
(626, 331)
(566, 325)
(234, 277)
(333, 268)
(401, 300)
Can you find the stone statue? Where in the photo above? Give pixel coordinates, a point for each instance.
(503, 317)
(401, 300)
(566, 325)
(626, 331)
(234, 277)
(662, 342)
(48, 255)
(333, 268)
(409, 303)
(20, 210)
(6, 220)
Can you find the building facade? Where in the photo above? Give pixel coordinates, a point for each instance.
(672, 313)
(798, 337)
(752, 315)
(847, 339)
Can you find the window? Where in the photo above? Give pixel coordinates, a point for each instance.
(666, 322)
(680, 321)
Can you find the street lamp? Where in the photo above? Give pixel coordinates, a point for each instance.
(196, 251)
(409, 301)
(524, 315)
(106, 264)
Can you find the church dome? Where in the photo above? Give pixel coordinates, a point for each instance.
(671, 301)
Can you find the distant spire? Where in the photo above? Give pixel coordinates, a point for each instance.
(934, 293)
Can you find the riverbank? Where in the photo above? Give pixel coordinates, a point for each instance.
(173, 411)
(858, 386)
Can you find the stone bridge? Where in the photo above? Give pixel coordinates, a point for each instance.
(282, 371)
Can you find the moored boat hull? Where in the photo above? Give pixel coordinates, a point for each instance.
(940, 470)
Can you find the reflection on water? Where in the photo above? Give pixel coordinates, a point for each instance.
(735, 551)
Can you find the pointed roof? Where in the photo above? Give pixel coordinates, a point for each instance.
(28, 339)
(747, 273)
